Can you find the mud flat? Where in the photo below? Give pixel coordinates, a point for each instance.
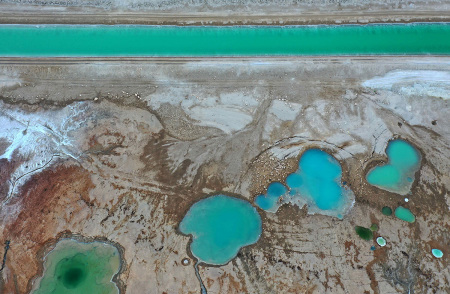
(121, 148)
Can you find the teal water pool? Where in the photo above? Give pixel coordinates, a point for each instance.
(405, 214)
(269, 200)
(129, 40)
(220, 225)
(398, 174)
(437, 253)
(74, 267)
(316, 183)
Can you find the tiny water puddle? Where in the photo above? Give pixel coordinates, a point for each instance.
(397, 175)
(381, 241)
(437, 253)
(74, 267)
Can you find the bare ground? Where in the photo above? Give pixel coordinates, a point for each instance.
(138, 141)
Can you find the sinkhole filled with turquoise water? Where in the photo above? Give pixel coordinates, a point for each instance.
(316, 183)
(220, 225)
(404, 214)
(437, 253)
(140, 40)
(269, 201)
(397, 175)
(74, 267)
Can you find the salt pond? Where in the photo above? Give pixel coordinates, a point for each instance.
(437, 253)
(405, 214)
(220, 225)
(74, 267)
(398, 174)
(269, 201)
(316, 183)
(381, 241)
(129, 40)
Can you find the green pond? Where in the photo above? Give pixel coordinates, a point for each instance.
(128, 40)
(220, 225)
(386, 210)
(398, 174)
(364, 233)
(74, 267)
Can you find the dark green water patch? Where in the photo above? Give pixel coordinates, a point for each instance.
(364, 233)
(74, 267)
(386, 211)
(72, 271)
(126, 40)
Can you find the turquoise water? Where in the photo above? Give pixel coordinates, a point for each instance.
(73, 267)
(125, 40)
(437, 253)
(381, 241)
(398, 174)
(220, 225)
(316, 183)
(405, 214)
(269, 201)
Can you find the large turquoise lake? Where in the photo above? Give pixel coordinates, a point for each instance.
(125, 40)
(220, 225)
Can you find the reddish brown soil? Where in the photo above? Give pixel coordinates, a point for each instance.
(51, 202)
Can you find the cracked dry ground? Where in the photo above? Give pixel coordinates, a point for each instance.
(125, 168)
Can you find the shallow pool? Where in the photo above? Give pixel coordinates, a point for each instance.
(316, 183)
(437, 253)
(398, 174)
(405, 214)
(74, 267)
(220, 225)
(269, 200)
